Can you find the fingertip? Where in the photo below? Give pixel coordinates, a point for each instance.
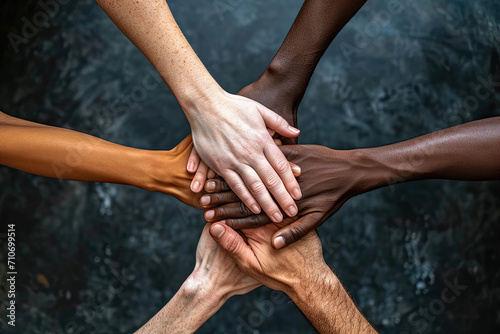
(191, 167)
(217, 231)
(297, 194)
(279, 242)
(295, 132)
(195, 186)
(255, 209)
(297, 171)
(205, 200)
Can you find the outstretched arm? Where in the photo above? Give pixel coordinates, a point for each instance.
(283, 84)
(229, 131)
(330, 177)
(300, 271)
(215, 278)
(65, 154)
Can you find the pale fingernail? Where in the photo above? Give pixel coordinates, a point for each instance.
(255, 209)
(210, 214)
(277, 217)
(205, 200)
(279, 242)
(296, 169)
(191, 166)
(294, 130)
(211, 185)
(217, 231)
(297, 194)
(196, 185)
(292, 211)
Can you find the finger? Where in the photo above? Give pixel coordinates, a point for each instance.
(230, 210)
(248, 222)
(217, 199)
(277, 142)
(282, 167)
(239, 187)
(233, 243)
(193, 161)
(259, 190)
(296, 170)
(211, 174)
(199, 178)
(216, 186)
(278, 123)
(295, 231)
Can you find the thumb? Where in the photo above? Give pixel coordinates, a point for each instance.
(295, 231)
(232, 242)
(277, 123)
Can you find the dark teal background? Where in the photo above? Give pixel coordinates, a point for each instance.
(114, 255)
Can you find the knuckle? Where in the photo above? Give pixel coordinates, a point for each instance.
(239, 188)
(243, 209)
(296, 232)
(279, 121)
(254, 221)
(282, 166)
(257, 187)
(272, 180)
(218, 213)
(232, 244)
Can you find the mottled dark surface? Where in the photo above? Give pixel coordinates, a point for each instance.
(98, 258)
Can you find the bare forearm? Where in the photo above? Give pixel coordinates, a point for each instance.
(66, 154)
(466, 152)
(149, 24)
(317, 23)
(190, 308)
(327, 305)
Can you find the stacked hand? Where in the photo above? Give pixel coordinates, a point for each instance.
(328, 179)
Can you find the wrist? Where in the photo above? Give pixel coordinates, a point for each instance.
(388, 166)
(196, 99)
(291, 83)
(205, 291)
(304, 289)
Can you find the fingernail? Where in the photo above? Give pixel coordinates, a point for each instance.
(191, 166)
(294, 130)
(211, 185)
(292, 211)
(297, 194)
(209, 214)
(205, 200)
(296, 169)
(196, 185)
(277, 217)
(217, 231)
(255, 209)
(279, 242)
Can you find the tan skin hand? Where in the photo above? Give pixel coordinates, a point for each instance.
(300, 271)
(277, 269)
